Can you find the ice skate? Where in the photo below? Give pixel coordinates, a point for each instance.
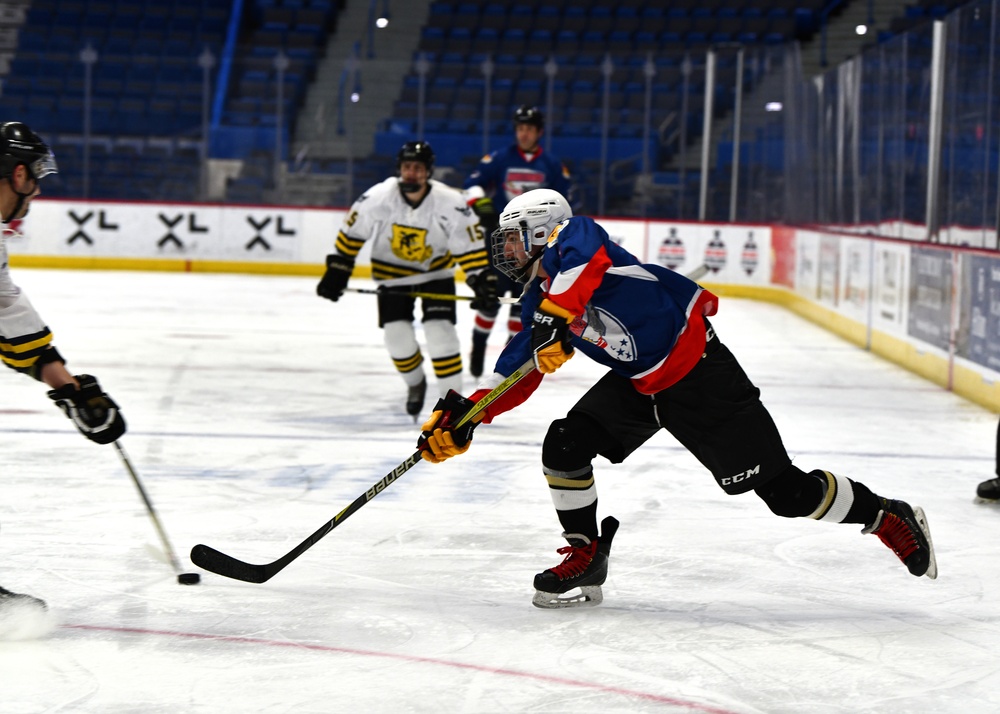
(904, 530)
(585, 567)
(23, 617)
(415, 399)
(988, 491)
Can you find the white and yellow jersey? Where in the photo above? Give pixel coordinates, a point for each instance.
(414, 244)
(23, 335)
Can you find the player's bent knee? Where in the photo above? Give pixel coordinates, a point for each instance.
(572, 443)
(792, 494)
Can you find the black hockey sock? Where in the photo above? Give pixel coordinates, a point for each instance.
(580, 520)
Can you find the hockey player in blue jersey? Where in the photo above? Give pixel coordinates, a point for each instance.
(500, 177)
(667, 369)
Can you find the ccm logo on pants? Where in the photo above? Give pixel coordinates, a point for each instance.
(730, 480)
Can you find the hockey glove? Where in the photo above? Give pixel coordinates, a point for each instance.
(338, 272)
(484, 284)
(93, 412)
(441, 439)
(487, 212)
(550, 336)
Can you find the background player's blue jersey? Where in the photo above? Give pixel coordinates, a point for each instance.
(509, 172)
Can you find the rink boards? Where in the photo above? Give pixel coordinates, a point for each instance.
(932, 309)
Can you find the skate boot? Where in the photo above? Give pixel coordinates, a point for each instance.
(988, 491)
(585, 567)
(23, 617)
(904, 530)
(7, 598)
(415, 399)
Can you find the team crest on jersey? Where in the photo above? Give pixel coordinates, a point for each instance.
(520, 180)
(409, 243)
(603, 329)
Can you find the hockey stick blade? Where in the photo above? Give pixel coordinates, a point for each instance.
(227, 566)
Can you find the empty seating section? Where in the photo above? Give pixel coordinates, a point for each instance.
(147, 86)
(520, 38)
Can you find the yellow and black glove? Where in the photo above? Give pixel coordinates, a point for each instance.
(441, 438)
(550, 336)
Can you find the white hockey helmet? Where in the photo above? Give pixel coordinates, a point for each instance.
(527, 222)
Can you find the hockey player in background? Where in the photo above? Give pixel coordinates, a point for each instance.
(989, 491)
(26, 342)
(500, 176)
(419, 228)
(667, 370)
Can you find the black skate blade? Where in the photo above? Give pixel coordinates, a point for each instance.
(588, 596)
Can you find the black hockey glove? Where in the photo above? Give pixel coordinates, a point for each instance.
(484, 285)
(550, 336)
(93, 412)
(338, 272)
(440, 439)
(489, 219)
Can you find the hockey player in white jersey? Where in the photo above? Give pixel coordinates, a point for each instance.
(26, 343)
(420, 229)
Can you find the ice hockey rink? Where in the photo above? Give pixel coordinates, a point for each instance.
(258, 411)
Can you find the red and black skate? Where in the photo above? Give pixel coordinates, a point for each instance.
(904, 530)
(585, 567)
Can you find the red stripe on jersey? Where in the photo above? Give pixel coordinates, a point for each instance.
(687, 350)
(575, 296)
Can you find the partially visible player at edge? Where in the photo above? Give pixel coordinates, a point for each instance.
(989, 491)
(499, 177)
(25, 340)
(419, 228)
(668, 370)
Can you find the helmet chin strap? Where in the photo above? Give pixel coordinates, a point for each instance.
(530, 269)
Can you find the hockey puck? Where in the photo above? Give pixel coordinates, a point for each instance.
(189, 578)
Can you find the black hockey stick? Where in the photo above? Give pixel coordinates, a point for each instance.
(228, 566)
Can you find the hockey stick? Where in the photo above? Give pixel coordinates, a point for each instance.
(698, 273)
(432, 296)
(228, 566)
(390, 291)
(149, 508)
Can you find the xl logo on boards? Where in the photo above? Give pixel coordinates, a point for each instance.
(730, 480)
(81, 221)
(171, 222)
(259, 226)
(671, 253)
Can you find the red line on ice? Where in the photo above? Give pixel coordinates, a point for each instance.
(693, 706)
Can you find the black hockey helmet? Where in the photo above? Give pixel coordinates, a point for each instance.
(416, 151)
(526, 114)
(20, 145)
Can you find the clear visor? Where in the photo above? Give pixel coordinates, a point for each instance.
(40, 168)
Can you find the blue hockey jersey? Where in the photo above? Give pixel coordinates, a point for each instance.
(509, 172)
(642, 321)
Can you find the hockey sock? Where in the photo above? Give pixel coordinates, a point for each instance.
(574, 494)
(844, 500)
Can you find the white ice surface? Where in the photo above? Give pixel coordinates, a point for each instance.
(257, 411)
